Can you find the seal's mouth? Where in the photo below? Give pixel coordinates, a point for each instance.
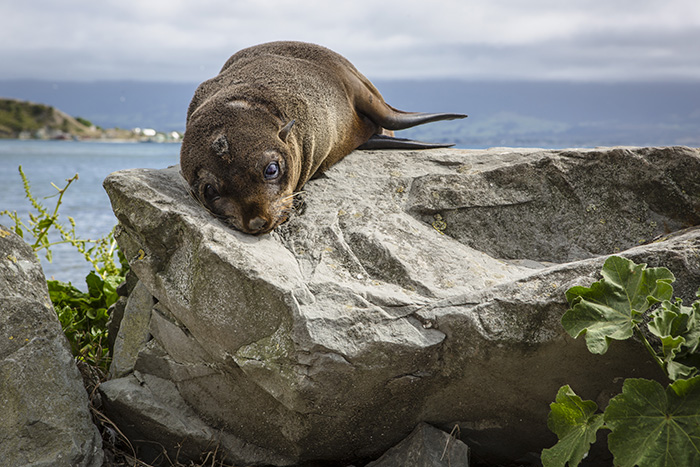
(261, 222)
(258, 225)
(266, 221)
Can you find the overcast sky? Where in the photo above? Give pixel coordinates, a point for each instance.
(188, 41)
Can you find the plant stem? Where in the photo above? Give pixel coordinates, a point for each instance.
(650, 348)
(54, 216)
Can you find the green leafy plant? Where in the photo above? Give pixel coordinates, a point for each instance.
(575, 422)
(649, 425)
(99, 253)
(83, 315)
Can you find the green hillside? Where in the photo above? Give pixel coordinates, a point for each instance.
(19, 119)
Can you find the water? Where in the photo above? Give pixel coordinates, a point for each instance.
(86, 201)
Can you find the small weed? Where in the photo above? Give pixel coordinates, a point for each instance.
(83, 315)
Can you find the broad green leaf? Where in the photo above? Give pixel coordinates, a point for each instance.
(655, 427)
(670, 346)
(642, 286)
(94, 283)
(62, 292)
(609, 308)
(678, 329)
(677, 370)
(674, 319)
(693, 338)
(670, 319)
(575, 422)
(109, 289)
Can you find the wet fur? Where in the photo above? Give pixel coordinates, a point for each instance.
(235, 126)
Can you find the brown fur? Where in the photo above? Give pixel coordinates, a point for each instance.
(235, 128)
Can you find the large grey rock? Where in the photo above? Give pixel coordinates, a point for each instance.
(45, 417)
(426, 447)
(413, 286)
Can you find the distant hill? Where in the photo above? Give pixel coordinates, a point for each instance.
(111, 104)
(544, 114)
(26, 119)
(29, 120)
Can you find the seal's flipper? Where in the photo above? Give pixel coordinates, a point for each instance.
(370, 103)
(389, 142)
(399, 120)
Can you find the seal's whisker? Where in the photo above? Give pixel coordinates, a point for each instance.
(295, 208)
(186, 185)
(190, 191)
(296, 193)
(199, 201)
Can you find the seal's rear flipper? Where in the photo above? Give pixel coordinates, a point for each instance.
(389, 142)
(399, 120)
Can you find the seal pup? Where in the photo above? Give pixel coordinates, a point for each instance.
(276, 115)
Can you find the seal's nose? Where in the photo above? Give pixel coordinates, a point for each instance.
(257, 224)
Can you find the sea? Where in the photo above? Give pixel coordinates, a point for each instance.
(54, 162)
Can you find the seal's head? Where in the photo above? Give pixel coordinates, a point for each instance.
(238, 162)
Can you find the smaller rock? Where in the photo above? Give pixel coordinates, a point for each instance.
(125, 288)
(116, 313)
(44, 414)
(426, 447)
(146, 407)
(133, 331)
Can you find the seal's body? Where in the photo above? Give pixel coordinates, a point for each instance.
(276, 115)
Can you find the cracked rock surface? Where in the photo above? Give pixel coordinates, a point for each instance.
(411, 286)
(45, 419)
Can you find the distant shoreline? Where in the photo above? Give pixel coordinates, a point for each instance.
(553, 114)
(24, 120)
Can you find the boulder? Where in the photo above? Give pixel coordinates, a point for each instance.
(426, 447)
(409, 287)
(45, 418)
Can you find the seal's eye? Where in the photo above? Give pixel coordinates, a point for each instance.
(272, 171)
(210, 193)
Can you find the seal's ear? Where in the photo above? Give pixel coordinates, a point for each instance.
(220, 145)
(284, 132)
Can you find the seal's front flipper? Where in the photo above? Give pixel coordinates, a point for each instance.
(389, 142)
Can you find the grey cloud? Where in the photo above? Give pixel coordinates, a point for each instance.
(189, 41)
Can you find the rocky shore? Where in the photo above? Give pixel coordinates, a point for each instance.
(411, 307)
